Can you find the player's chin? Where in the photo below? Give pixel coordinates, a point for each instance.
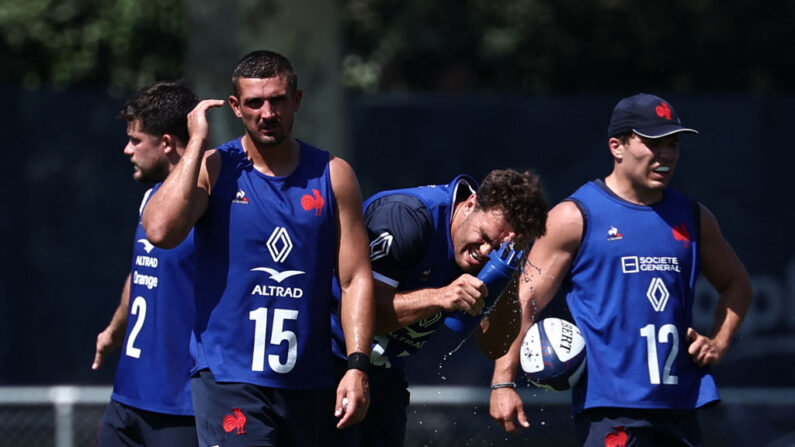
(271, 137)
(659, 181)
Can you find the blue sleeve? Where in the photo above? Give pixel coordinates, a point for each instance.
(399, 227)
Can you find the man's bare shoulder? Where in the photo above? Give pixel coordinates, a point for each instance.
(564, 226)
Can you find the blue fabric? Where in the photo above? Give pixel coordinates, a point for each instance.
(599, 427)
(156, 359)
(124, 426)
(266, 248)
(630, 291)
(417, 222)
(243, 414)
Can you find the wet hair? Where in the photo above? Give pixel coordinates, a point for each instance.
(264, 64)
(162, 108)
(520, 197)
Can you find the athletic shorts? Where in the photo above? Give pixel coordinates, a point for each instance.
(385, 422)
(245, 415)
(127, 426)
(628, 427)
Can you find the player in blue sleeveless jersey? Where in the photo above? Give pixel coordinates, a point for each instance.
(626, 251)
(151, 401)
(274, 219)
(426, 246)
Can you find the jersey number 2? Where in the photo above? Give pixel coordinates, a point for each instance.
(278, 336)
(138, 308)
(652, 337)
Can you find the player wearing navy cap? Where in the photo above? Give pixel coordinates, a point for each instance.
(151, 401)
(626, 252)
(273, 218)
(426, 246)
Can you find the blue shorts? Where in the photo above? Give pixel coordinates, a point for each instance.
(123, 425)
(600, 427)
(246, 415)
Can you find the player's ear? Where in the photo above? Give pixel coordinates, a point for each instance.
(234, 103)
(297, 97)
(169, 143)
(616, 148)
(471, 203)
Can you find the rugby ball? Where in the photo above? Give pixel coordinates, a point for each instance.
(553, 354)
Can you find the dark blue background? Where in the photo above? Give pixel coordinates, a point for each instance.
(70, 206)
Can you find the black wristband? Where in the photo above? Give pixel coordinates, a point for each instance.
(360, 361)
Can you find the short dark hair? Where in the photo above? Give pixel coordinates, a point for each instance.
(521, 199)
(263, 64)
(624, 137)
(163, 108)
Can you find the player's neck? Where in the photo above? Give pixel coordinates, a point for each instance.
(278, 160)
(632, 193)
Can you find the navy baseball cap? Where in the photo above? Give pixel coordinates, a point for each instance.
(646, 115)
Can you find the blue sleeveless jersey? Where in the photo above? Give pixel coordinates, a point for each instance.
(630, 291)
(266, 249)
(155, 364)
(437, 268)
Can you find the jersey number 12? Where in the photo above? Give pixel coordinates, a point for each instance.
(652, 338)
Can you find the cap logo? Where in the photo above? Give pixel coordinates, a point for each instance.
(663, 111)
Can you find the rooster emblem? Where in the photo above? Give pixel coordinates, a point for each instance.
(681, 234)
(617, 439)
(663, 111)
(235, 422)
(313, 203)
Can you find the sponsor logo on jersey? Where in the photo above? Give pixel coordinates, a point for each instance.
(240, 197)
(430, 321)
(148, 281)
(315, 202)
(410, 343)
(414, 334)
(146, 261)
(235, 422)
(380, 246)
(657, 294)
(613, 234)
(681, 234)
(411, 338)
(277, 275)
(148, 247)
(635, 264)
(277, 291)
(279, 246)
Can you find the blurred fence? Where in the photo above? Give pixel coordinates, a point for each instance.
(68, 416)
